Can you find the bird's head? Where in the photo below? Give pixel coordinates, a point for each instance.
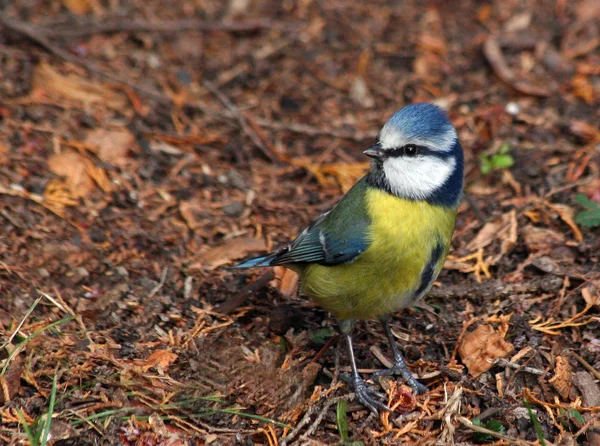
(418, 156)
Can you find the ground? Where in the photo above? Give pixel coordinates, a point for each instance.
(146, 147)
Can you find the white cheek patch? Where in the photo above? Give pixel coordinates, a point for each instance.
(417, 178)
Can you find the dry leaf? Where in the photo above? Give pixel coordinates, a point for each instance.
(111, 146)
(589, 299)
(518, 22)
(480, 348)
(160, 359)
(79, 176)
(289, 283)
(541, 239)
(193, 212)
(73, 167)
(503, 228)
(75, 88)
(78, 7)
(566, 213)
(233, 249)
(360, 94)
(583, 88)
(585, 131)
(10, 383)
(563, 377)
(59, 430)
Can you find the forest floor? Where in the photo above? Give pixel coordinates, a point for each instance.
(146, 147)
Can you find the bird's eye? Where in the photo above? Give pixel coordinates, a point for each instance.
(411, 150)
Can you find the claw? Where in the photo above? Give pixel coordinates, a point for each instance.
(401, 370)
(365, 395)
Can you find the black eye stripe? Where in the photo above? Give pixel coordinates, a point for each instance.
(421, 150)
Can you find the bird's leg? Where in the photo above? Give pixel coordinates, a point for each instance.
(364, 394)
(399, 367)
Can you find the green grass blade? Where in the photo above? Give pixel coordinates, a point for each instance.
(29, 311)
(342, 420)
(32, 439)
(29, 338)
(536, 423)
(48, 424)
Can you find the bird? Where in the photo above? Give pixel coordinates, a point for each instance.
(382, 246)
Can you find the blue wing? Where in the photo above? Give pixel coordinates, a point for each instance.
(337, 237)
(315, 245)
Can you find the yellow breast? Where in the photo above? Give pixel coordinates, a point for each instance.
(384, 279)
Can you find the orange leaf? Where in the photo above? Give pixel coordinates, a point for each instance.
(563, 378)
(480, 348)
(160, 358)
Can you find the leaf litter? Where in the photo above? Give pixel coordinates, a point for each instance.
(130, 184)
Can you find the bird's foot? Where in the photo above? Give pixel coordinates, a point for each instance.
(368, 397)
(400, 368)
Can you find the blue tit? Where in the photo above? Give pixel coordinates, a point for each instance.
(383, 245)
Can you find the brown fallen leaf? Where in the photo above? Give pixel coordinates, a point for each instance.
(585, 131)
(289, 283)
(79, 178)
(193, 212)
(567, 214)
(73, 167)
(160, 358)
(74, 88)
(481, 347)
(583, 88)
(563, 377)
(224, 254)
(111, 146)
(78, 7)
(541, 239)
(59, 430)
(503, 228)
(590, 300)
(10, 382)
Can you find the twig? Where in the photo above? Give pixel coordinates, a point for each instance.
(313, 427)
(240, 118)
(303, 422)
(505, 363)
(163, 279)
(122, 25)
(231, 304)
(587, 365)
(10, 218)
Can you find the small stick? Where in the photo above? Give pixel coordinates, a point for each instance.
(165, 27)
(586, 364)
(231, 304)
(240, 118)
(514, 365)
(163, 279)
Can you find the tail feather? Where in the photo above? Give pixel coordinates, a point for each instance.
(258, 261)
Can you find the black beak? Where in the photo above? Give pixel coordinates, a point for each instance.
(375, 152)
